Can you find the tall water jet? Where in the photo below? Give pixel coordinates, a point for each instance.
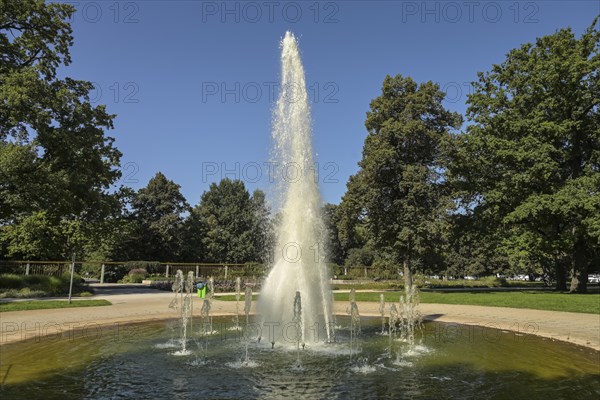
(354, 322)
(238, 292)
(382, 312)
(298, 263)
(182, 287)
(206, 327)
(247, 304)
(393, 322)
(410, 317)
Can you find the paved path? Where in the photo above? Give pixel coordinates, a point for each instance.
(136, 304)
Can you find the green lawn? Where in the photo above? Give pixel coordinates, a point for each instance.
(584, 303)
(44, 304)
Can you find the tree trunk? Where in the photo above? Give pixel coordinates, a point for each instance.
(561, 276)
(408, 282)
(579, 273)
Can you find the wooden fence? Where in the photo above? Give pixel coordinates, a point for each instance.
(110, 271)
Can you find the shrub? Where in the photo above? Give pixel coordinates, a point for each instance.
(39, 285)
(23, 293)
(36, 280)
(254, 269)
(152, 267)
(335, 270)
(492, 281)
(59, 285)
(11, 281)
(356, 273)
(91, 270)
(115, 272)
(136, 278)
(136, 275)
(385, 269)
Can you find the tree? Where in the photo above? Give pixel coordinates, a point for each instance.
(399, 190)
(193, 232)
(262, 231)
(334, 251)
(56, 164)
(531, 158)
(159, 209)
(234, 222)
(472, 247)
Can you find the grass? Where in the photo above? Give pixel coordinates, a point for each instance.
(30, 286)
(231, 297)
(46, 304)
(421, 281)
(383, 285)
(551, 301)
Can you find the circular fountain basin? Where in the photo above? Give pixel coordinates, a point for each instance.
(145, 361)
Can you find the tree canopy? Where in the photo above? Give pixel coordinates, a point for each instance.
(399, 189)
(56, 163)
(530, 162)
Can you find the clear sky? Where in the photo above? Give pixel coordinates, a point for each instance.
(193, 83)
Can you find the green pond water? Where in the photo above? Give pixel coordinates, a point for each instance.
(142, 361)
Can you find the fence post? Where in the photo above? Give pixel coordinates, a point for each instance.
(71, 281)
(345, 271)
(27, 269)
(197, 271)
(102, 274)
(226, 272)
(167, 271)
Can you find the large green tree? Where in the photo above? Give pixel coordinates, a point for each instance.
(159, 210)
(399, 191)
(334, 251)
(263, 236)
(56, 163)
(234, 223)
(531, 158)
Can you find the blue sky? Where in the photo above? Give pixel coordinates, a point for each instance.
(193, 82)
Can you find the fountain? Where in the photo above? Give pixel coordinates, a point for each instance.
(297, 266)
(206, 326)
(410, 317)
(393, 327)
(354, 323)
(183, 288)
(247, 303)
(238, 292)
(483, 363)
(382, 312)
